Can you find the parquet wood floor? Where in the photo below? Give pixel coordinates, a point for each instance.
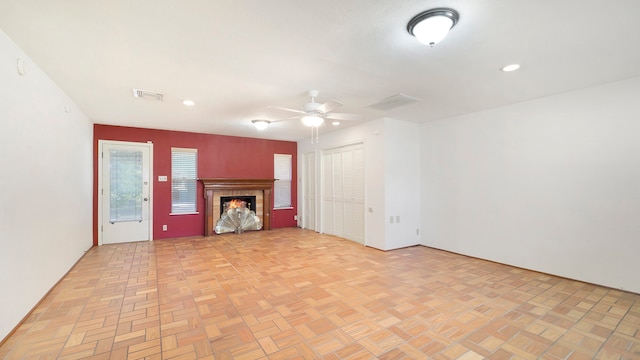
(295, 294)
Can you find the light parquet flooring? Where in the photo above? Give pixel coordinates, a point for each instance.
(295, 294)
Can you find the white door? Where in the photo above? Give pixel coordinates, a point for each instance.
(124, 189)
(309, 191)
(343, 192)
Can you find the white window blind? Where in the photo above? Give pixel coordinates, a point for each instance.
(282, 185)
(183, 180)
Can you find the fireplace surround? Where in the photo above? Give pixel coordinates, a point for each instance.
(215, 188)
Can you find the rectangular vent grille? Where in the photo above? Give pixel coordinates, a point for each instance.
(393, 102)
(138, 93)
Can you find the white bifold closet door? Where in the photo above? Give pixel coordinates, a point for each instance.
(343, 192)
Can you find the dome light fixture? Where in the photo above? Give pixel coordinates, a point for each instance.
(188, 102)
(433, 25)
(312, 120)
(261, 124)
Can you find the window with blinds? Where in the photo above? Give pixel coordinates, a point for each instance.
(282, 185)
(183, 180)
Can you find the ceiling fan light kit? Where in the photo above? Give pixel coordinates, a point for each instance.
(312, 120)
(433, 25)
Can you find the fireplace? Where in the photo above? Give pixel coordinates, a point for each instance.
(217, 188)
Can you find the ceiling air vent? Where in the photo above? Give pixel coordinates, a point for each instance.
(138, 93)
(393, 102)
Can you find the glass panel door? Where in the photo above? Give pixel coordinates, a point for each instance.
(124, 202)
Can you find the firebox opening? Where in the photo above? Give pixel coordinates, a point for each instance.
(227, 202)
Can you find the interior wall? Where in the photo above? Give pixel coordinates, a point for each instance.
(219, 156)
(45, 217)
(372, 134)
(551, 185)
(402, 183)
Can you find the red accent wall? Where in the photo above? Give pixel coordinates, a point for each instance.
(219, 156)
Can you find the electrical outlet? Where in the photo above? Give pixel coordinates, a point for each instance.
(164, 227)
(398, 219)
(390, 219)
(295, 217)
(417, 231)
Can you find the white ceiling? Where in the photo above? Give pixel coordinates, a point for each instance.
(236, 58)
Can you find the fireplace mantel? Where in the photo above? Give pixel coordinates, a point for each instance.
(220, 184)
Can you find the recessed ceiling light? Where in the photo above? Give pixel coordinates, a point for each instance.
(335, 123)
(188, 102)
(511, 67)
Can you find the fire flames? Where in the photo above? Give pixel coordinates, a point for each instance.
(235, 203)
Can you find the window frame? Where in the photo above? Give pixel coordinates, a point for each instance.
(283, 180)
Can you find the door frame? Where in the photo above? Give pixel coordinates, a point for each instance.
(149, 145)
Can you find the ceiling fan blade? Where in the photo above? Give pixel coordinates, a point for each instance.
(329, 106)
(341, 116)
(287, 109)
(286, 119)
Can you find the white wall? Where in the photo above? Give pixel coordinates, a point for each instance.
(371, 133)
(46, 185)
(402, 183)
(551, 184)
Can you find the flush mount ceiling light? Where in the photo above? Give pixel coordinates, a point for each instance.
(312, 120)
(431, 26)
(188, 102)
(261, 124)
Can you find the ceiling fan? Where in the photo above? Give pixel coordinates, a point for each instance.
(314, 113)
